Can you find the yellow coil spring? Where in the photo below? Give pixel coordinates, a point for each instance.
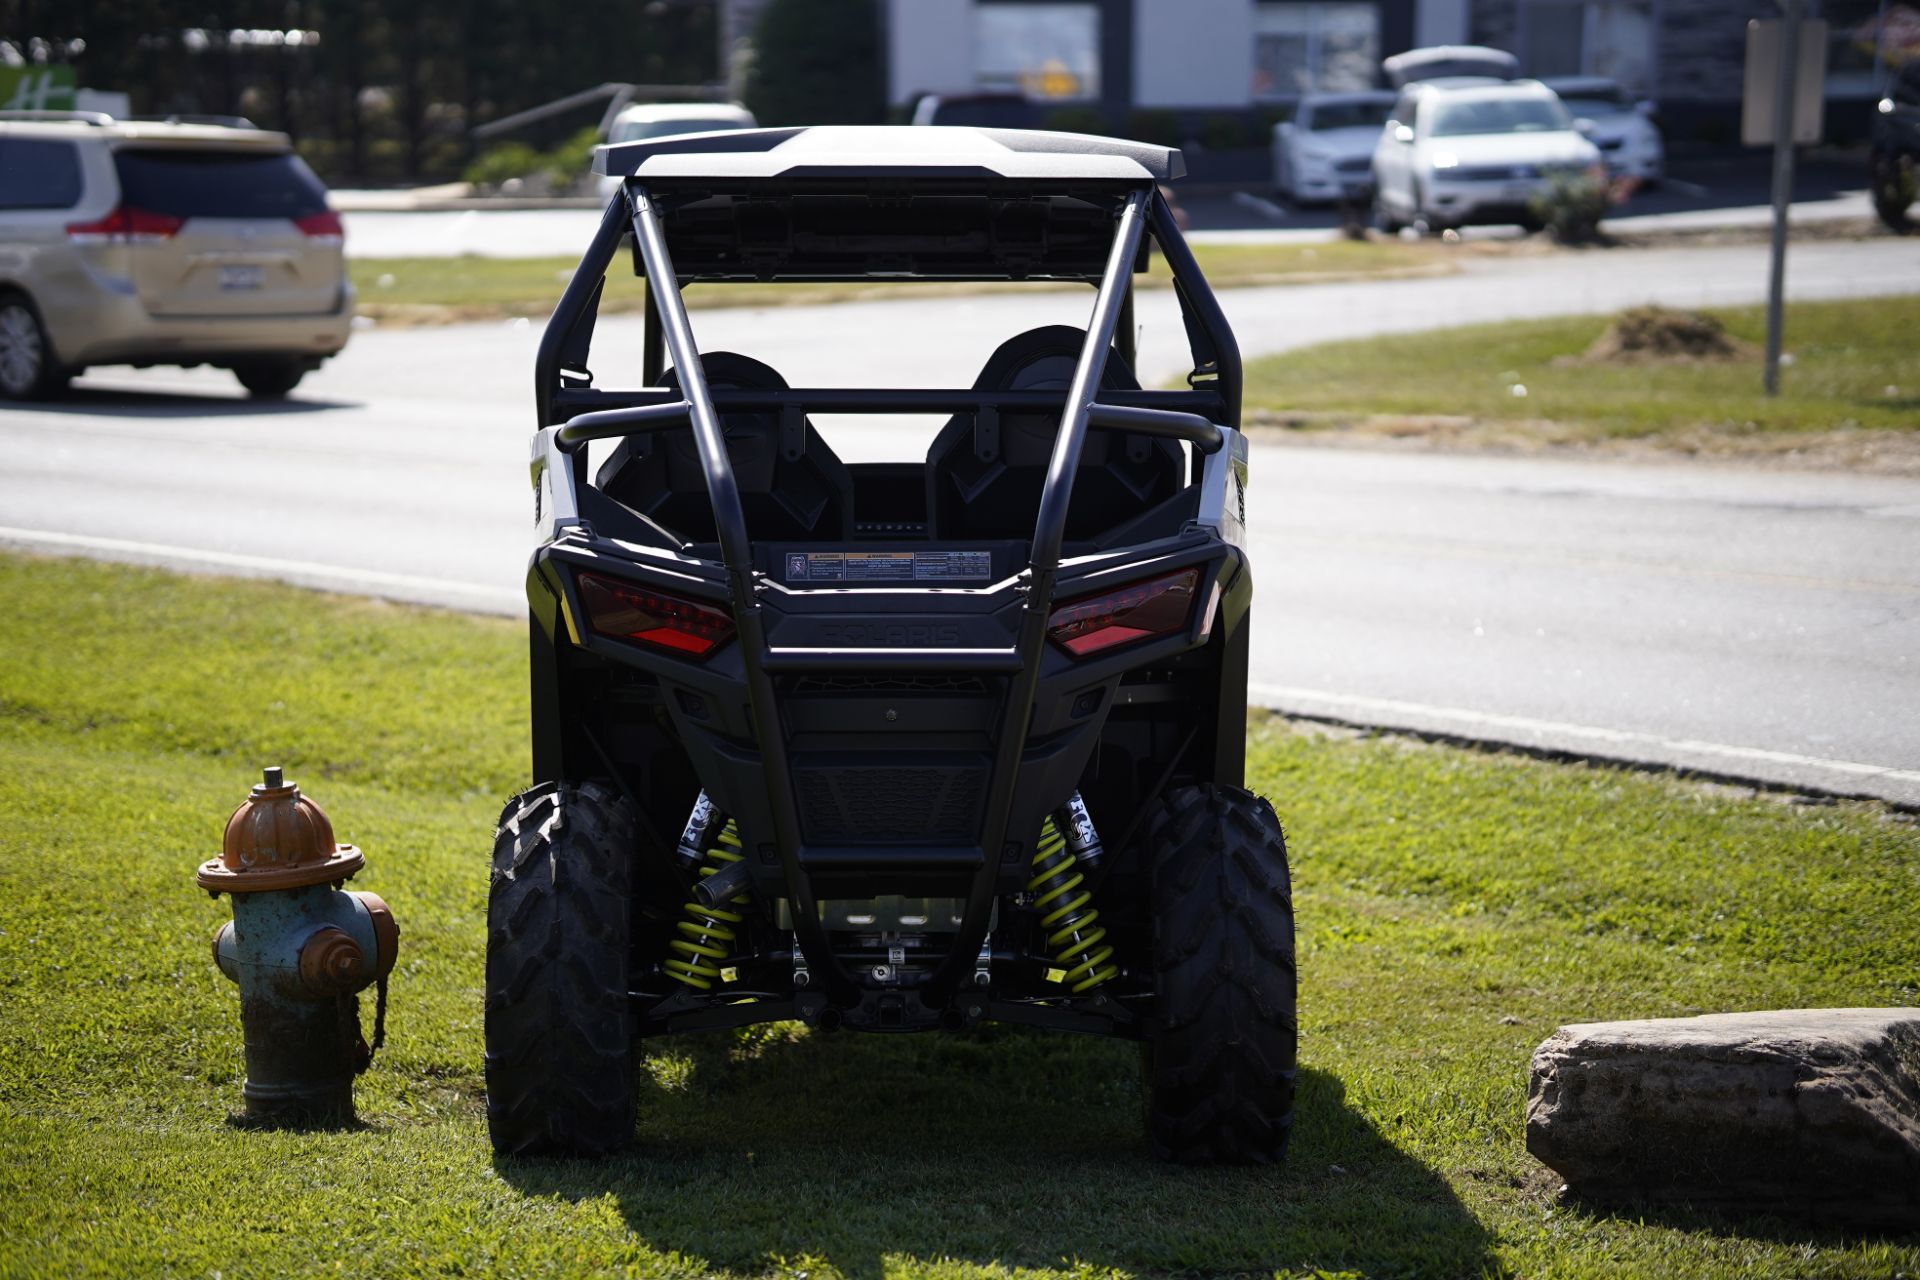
(704, 944)
(1074, 937)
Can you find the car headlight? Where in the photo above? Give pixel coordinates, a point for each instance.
(1445, 160)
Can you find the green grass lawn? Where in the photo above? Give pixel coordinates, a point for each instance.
(1856, 365)
(441, 290)
(1454, 907)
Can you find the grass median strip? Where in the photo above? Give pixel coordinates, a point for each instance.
(1853, 378)
(449, 290)
(1454, 907)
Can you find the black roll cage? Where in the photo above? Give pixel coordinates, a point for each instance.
(565, 399)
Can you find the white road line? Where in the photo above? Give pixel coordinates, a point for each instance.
(1621, 743)
(1693, 189)
(1556, 734)
(304, 572)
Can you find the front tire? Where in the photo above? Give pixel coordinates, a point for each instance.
(1895, 180)
(1384, 217)
(28, 368)
(1218, 1074)
(559, 1026)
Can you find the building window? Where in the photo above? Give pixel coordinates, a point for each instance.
(1314, 47)
(1040, 50)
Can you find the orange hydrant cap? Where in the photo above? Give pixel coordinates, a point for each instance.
(278, 839)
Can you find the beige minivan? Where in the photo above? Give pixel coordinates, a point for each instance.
(144, 243)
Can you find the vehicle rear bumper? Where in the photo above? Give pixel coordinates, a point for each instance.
(120, 330)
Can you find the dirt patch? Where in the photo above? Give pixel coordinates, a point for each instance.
(1875, 452)
(1643, 335)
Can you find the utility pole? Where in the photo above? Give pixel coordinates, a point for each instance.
(1783, 122)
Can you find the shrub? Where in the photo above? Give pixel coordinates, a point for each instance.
(570, 163)
(1081, 119)
(1572, 205)
(498, 163)
(1155, 125)
(1223, 132)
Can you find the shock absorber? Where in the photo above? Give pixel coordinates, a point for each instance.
(1074, 939)
(708, 933)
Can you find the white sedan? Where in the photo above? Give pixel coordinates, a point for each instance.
(1628, 139)
(1325, 152)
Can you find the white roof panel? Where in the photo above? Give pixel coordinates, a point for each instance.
(851, 151)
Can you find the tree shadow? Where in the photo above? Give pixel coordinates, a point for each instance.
(123, 402)
(1001, 1147)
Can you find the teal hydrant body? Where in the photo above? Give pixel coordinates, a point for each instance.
(300, 949)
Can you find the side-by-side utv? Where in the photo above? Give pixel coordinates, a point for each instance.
(890, 746)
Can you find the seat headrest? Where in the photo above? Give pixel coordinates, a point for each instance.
(734, 371)
(1043, 359)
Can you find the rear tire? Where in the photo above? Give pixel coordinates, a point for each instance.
(28, 369)
(270, 379)
(559, 1026)
(1218, 1076)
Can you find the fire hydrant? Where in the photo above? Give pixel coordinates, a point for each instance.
(301, 950)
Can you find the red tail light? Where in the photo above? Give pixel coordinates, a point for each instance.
(628, 612)
(131, 226)
(1156, 607)
(322, 226)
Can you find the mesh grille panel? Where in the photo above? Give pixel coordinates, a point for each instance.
(859, 803)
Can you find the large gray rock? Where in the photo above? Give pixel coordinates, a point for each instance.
(1809, 1112)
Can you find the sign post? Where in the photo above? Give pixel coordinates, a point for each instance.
(1785, 94)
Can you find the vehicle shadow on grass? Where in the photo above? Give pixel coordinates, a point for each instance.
(998, 1147)
(174, 403)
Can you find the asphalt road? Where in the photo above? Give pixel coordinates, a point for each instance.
(1747, 623)
(1707, 195)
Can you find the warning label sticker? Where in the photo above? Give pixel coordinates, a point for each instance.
(889, 566)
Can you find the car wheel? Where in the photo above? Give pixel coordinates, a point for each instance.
(1426, 221)
(1896, 183)
(1383, 217)
(28, 370)
(1218, 1074)
(270, 379)
(558, 1026)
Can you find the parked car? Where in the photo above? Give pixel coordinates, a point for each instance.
(642, 121)
(1623, 128)
(144, 243)
(1326, 151)
(1449, 61)
(1474, 149)
(1894, 160)
(981, 110)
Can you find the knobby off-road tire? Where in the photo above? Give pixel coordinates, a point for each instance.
(1218, 1076)
(559, 1027)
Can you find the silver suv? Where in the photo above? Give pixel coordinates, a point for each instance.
(143, 243)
